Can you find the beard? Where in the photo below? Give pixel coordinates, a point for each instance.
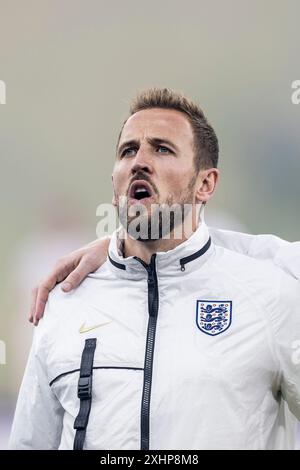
(160, 220)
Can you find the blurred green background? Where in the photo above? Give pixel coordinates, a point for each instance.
(71, 68)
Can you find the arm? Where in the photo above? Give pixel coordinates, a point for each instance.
(39, 415)
(72, 269)
(288, 258)
(285, 323)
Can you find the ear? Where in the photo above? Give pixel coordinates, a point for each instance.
(207, 182)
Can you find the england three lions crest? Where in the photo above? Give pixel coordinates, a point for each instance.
(214, 317)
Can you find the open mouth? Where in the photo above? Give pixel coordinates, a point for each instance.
(140, 190)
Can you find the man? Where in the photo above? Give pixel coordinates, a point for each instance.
(174, 343)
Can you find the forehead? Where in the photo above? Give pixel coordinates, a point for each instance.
(159, 123)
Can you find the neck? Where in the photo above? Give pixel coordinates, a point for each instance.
(145, 249)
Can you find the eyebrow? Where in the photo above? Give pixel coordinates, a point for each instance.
(154, 141)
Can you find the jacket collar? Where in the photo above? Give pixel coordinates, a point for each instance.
(186, 257)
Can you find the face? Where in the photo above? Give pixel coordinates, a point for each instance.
(155, 163)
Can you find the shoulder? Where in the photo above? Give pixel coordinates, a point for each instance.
(62, 308)
(253, 274)
(264, 246)
(261, 280)
(60, 302)
(58, 310)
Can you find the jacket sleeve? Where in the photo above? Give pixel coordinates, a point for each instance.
(38, 417)
(285, 323)
(282, 253)
(288, 258)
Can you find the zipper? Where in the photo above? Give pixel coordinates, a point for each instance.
(153, 303)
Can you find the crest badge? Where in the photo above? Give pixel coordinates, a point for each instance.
(213, 317)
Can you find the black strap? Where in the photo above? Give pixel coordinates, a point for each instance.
(84, 392)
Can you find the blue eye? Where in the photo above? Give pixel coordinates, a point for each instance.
(166, 149)
(127, 152)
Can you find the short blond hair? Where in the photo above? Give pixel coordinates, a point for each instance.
(205, 139)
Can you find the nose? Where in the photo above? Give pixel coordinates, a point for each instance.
(141, 162)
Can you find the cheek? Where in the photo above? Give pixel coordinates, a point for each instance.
(175, 182)
(119, 180)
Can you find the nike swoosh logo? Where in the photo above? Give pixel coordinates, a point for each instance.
(84, 329)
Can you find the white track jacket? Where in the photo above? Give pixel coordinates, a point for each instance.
(197, 350)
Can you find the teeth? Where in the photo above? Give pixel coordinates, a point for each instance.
(141, 193)
(141, 190)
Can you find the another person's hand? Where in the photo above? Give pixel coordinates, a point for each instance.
(72, 269)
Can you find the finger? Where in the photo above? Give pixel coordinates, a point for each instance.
(41, 300)
(85, 263)
(42, 296)
(33, 304)
(60, 272)
(76, 277)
